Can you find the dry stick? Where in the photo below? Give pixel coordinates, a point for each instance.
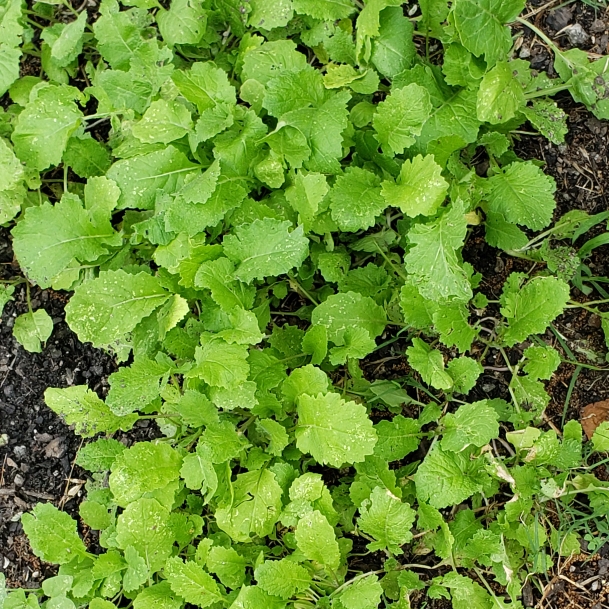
(65, 498)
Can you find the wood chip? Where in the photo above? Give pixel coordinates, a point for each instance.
(593, 415)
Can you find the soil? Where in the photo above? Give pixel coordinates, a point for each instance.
(37, 450)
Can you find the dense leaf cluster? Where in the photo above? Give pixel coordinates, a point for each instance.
(310, 161)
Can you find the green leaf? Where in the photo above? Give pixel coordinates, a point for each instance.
(164, 121)
(32, 329)
(355, 199)
(144, 526)
(541, 362)
(269, 14)
(99, 456)
(365, 593)
(255, 507)
(87, 157)
(481, 26)
(277, 433)
(464, 372)
(198, 471)
(228, 565)
(345, 310)
(316, 539)
(103, 310)
(68, 44)
(205, 85)
(137, 572)
(219, 363)
(500, 96)
(548, 119)
(523, 194)
(400, 117)
(227, 294)
(133, 388)
(183, 23)
(265, 247)
(600, 438)
(254, 597)
(503, 234)
(50, 237)
(52, 534)
(433, 258)
(326, 10)
(307, 379)
(11, 170)
(429, 363)
(332, 430)
(79, 406)
(282, 578)
(387, 520)
(142, 469)
(43, 128)
(357, 344)
(451, 321)
(473, 424)
(159, 596)
(443, 478)
(397, 438)
(223, 441)
(531, 308)
(188, 580)
(141, 177)
(9, 66)
(419, 189)
(393, 50)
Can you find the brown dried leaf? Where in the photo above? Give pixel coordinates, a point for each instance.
(593, 415)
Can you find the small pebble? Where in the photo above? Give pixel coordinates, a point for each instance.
(20, 451)
(19, 480)
(577, 35)
(595, 586)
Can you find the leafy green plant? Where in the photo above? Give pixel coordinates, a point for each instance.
(306, 161)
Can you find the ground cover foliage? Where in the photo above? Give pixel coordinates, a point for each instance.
(284, 189)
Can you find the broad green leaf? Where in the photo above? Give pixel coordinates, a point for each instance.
(365, 593)
(357, 344)
(141, 177)
(387, 520)
(452, 322)
(464, 372)
(253, 597)
(79, 406)
(429, 363)
(198, 471)
(265, 247)
(532, 307)
(159, 596)
(307, 379)
(500, 96)
(33, 329)
(50, 237)
(282, 578)
(219, 363)
(332, 430)
(11, 169)
(143, 468)
(541, 362)
(460, 67)
(600, 438)
(9, 66)
(229, 295)
(103, 310)
(355, 199)
(326, 10)
(183, 23)
(443, 479)
(189, 580)
(43, 128)
(342, 311)
(433, 258)
(137, 572)
(164, 122)
(279, 438)
(52, 534)
(144, 526)
(262, 63)
(467, 594)
(87, 157)
(290, 91)
(227, 565)
(396, 438)
(99, 456)
(419, 189)
(205, 85)
(255, 507)
(473, 424)
(316, 539)
(400, 117)
(481, 26)
(523, 194)
(503, 234)
(548, 118)
(68, 45)
(269, 14)
(393, 50)
(306, 195)
(133, 388)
